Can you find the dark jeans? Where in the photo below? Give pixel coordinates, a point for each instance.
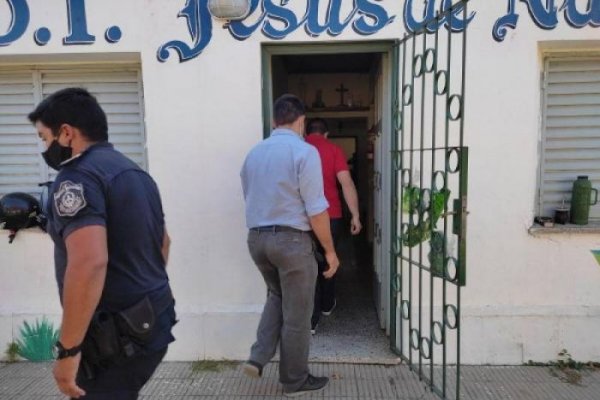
(287, 263)
(122, 382)
(325, 288)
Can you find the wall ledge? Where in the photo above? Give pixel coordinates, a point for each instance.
(569, 229)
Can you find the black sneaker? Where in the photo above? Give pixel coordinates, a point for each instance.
(328, 312)
(252, 369)
(312, 384)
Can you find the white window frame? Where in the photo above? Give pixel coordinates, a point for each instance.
(37, 70)
(548, 57)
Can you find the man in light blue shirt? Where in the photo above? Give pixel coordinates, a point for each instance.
(285, 207)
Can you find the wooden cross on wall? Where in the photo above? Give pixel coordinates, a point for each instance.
(342, 90)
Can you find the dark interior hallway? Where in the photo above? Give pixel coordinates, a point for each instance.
(352, 332)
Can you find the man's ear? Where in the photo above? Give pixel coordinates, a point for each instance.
(302, 120)
(68, 131)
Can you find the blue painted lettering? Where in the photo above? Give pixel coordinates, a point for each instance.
(457, 24)
(510, 20)
(78, 33)
(411, 22)
(452, 20)
(371, 19)
(199, 23)
(282, 15)
(19, 11)
(242, 32)
(333, 23)
(334, 19)
(312, 26)
(577, 19)
(276, 20)
(373, 11)
(545, 16)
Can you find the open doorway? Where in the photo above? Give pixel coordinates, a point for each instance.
(350, 91)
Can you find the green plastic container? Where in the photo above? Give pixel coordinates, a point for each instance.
(581, 200)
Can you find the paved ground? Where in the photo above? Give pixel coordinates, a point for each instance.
(178, 381)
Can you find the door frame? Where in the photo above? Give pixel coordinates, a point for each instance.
(388, 49)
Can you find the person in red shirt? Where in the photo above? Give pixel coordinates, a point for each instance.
(335, 169)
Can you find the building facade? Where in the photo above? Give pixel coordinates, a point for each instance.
(187, 95)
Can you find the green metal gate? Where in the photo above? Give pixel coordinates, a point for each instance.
(429, 201)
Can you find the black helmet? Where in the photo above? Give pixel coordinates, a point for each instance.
(19, 211)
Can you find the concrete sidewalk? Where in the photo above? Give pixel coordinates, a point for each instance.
(29, 381)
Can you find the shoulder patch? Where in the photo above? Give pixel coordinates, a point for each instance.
(69, 199)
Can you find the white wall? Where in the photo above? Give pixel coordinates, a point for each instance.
(527, 297)
(533, 294)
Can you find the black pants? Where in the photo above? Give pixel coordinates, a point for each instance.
(325, 289)
(122, 382)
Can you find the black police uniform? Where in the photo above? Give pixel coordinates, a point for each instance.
(103, 187)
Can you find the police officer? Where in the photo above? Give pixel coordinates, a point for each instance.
(111, 248)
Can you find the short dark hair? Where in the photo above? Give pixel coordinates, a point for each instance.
(317, 125)
(287, 109)
(76, 107)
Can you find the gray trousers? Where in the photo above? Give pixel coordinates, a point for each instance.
(287, 263)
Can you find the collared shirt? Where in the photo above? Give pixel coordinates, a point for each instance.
(103, 187)
(333, 161)
(282, 182)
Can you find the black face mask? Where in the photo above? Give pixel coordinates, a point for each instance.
(57, 154)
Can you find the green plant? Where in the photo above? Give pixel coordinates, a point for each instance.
(565, 361)
(411, 199)
(412, 203)
(565, 368)
(596, 254)
(213, 365)
(12, 352)
(439, 199)
(37, 340)
(436, 255)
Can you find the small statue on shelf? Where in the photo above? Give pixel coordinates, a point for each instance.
(318, 103)
(350, 100)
